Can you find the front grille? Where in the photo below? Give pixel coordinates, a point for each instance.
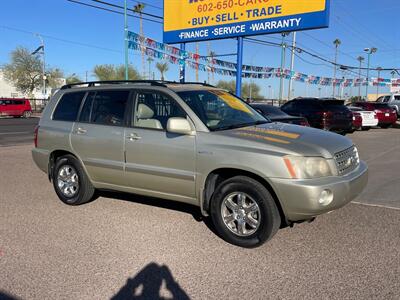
(347, 160)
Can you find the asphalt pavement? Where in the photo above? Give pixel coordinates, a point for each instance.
(130, 247)
(15, 131)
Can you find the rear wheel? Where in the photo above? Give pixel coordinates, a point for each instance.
(366, 128)
(244, 212)
(385, 126)
(27, 114)
(70, 181)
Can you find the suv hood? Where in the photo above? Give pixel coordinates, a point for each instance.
(290, 139)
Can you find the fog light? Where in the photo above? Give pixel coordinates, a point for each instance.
(326, 197)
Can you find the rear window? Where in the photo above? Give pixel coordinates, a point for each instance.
(68, 107)
(269, 110)
(334, 106)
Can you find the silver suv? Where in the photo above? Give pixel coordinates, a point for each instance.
(197, 144)
(393, 100)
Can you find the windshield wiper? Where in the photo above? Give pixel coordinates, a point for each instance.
(234, 126)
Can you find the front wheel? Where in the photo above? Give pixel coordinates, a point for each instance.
(27, 114)
(70, 181)
(244, 212)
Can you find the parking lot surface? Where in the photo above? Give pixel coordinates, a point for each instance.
(124, 246)
(17, 131)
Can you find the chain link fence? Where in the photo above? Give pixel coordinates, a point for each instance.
(38, 105)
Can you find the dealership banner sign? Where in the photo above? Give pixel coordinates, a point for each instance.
(196, 20)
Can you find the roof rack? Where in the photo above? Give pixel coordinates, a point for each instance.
(150, 82)
(94, 83)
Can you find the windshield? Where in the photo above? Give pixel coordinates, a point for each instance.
(220, 110)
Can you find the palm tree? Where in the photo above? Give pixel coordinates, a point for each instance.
(149, 60)
(162, 67)
(212, 55)
(138, 8)
(337, 43)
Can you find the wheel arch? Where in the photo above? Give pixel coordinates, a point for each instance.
(215, 177)
(54, 155)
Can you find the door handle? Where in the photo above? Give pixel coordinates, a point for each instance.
(81, 131)
(133, 137)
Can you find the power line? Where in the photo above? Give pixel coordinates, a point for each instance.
(130, 9)
(61, 40)
(113, 11)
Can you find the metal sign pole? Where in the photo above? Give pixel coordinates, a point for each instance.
(182, 67)
(126, 39)
(239, 67)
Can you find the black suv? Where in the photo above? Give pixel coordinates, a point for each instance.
(326, 114)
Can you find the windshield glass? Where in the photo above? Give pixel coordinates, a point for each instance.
(220, 110)
(269, 110)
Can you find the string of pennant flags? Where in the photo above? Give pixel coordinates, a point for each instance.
(174, 55)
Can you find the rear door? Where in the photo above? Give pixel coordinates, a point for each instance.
(98, 135)
(157, 161)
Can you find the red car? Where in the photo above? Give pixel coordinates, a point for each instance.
(387, 115)
(15, 107)
(357, 121)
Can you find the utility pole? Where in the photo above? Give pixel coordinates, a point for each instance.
(337, 43)
(41, 51)
(126, 38)
(283, 57)
(369, 51)
(197, 62)
(377, 86)
(292, 65)
(360, 59)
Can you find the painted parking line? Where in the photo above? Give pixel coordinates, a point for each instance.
(376, 205)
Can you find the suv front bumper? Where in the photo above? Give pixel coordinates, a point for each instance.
(300, 198)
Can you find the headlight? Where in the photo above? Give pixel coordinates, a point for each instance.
(300, 167)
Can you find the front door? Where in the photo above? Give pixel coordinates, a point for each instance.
(158, 161)
(98, 136)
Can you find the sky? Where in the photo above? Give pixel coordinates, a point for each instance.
(78, 37)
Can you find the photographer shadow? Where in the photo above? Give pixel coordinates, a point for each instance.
(152, 281)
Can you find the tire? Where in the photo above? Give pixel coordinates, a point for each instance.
(72, 189)
(365, 128)
(267, 213)
(27, 114)
(385, 126)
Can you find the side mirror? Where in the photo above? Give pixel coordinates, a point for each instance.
(180, 126)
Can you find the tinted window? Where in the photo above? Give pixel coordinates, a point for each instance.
(153, 109)
(18, 102)
(307, 105)
(269, 110)
(108, 107)
(68, 107)
(289, 105)
(87, 108)
(397, 98)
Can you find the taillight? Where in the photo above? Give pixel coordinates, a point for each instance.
(325, 114)
(35, 136)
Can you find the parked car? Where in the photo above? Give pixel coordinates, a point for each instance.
(386, 115)
(15, 107)
(274, 114)
(393, 100)
(196, 144)
(326, 114)
(363, 119)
